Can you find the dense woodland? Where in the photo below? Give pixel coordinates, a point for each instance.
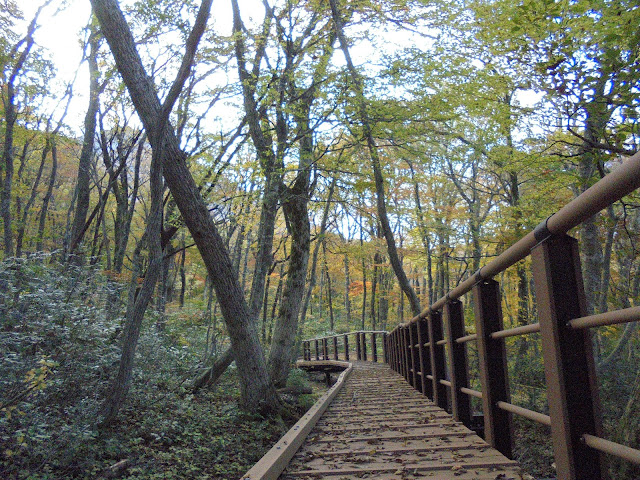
(248, 176)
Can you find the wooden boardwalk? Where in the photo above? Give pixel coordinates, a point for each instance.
(379, 427)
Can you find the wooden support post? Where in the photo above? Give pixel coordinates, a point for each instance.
(385, 347)
(492, 358)
(363, 345)
(335, 348)
(391, 351)
(406, 367)
(374, 348)
(400, 344)
(437, 360)
(400, 353)
(424, 357)
(317, 350)
(394, 347)
(346, 347)
(415, 364)
(358, 348)
(325, 349)
(407, 353)
(459, 376)
(572, 392)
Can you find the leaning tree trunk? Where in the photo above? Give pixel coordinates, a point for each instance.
(257, 391)
(120, 385)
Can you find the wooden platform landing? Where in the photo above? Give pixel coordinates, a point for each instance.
(379, 427)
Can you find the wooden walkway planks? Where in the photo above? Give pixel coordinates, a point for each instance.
(379, 427)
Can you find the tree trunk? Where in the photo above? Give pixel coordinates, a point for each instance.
(347, 285)
(10, 118)
(374, 290)
(34, 193)
(377, 168)
(183, 273)
(329, 289)
(120, 385)
(257, 391)
(47, 196)
(83, 190)
(282, 353)
(212, 374)
(316, 249)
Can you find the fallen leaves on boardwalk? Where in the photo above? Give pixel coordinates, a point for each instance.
(378, 427)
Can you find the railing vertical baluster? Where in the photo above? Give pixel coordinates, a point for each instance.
(317, 350)
(363, 345)
(346, 347)
(358, 348)
(424, 356)
(391, 351)
(325, 349)
(413, 339)
(498, 428)
(574, 406)
(459, 377)
(404, 334)
(437, 359)
(335, 348)
(401, 352)
(396, 351)
(374, 348)
(385, 347)
(407, 352)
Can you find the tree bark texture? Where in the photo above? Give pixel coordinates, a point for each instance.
(119, 387)
(257, 391)
(83, 190)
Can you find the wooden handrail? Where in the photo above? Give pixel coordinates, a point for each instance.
(417, 346)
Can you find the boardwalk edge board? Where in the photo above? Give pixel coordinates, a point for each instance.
(276, 460)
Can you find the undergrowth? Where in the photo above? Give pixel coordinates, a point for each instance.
(60, 339)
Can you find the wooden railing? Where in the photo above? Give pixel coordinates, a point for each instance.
(338, 347)
(431, 354)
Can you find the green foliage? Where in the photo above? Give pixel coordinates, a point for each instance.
(59, 350)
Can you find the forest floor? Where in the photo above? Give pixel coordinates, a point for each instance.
(208, 437)
(59, 338)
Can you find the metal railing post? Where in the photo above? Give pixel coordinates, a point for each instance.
(459, 376)
(437, 359)
(498, 428)
(569, 366)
